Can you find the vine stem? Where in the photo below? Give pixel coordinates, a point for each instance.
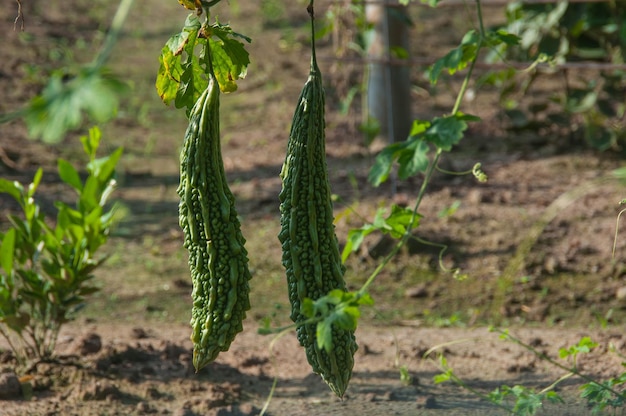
(555, 363)
(116, 28)
(103, 56)
(432, 167)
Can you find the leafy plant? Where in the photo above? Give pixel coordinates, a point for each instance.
(522, 400)
(183, 64)
(47, 271)
(565, 33)
(599, 395)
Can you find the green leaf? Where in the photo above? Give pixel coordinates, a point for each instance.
(458, 58)
(69, 175)
(394, 224)
(365, 299)
(7, 249)
(584, 346)
(400, 220)
(324, 335)
(230, 61)
(63, 101)
(347, 317)
(443, 377)
(418, 127)
(12, 188)
(413, 159)
(103, 168)
(32, 187)
(192, 83)
(183, 66)
(501, 37)
(169, 75)
(383, 163)
(180, 75)
(91, 142)
(307, 308)
(447, 131)
(355, 239)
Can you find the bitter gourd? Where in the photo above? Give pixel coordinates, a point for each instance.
(218, 259)
(310, 248)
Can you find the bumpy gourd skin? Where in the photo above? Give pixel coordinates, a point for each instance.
(310, 249)
(217, 258)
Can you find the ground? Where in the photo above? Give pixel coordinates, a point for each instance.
(534, 242)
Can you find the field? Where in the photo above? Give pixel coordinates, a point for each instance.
(535, 241)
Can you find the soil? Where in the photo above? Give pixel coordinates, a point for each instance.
(533, 245)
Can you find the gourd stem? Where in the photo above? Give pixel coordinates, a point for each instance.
(311, 11)
(207, 50)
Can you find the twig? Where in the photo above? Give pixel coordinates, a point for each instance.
(20, 16)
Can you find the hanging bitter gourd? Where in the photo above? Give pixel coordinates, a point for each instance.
(218, 259)
(310, 248)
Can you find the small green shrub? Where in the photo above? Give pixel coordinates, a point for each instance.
(46, 272)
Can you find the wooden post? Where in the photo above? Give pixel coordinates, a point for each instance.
(389, 86)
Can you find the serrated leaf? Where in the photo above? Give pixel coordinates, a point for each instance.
(230, 61)
(418, 127)
(413, 159)
(346, 318)
(400, 220)
(192, 82)
(183, 70)
(458, 58)
(61, 105)
(168, 77)
(173, 63)
(446, 131)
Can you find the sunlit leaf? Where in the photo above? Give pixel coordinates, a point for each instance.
(458, 58)
(230, 62)
(184, 65)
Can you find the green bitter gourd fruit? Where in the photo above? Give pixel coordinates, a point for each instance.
(217, 258)
(310, 248)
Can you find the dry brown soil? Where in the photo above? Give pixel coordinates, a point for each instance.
(535, 241)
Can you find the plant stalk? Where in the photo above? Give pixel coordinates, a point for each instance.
(434, 163)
